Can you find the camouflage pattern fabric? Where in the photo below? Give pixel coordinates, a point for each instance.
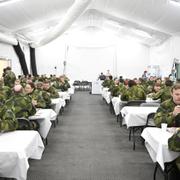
(174, 142)
(45, 97)
(9, 79)
(133, 93)
(21, 105)
(108, 83)
(164, 114)
(53, 92)
(37, 96)
(8, 120)
(174, 145)
(164, 94)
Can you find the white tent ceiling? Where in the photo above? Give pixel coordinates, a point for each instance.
(40, 21)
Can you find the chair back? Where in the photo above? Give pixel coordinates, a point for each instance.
(134, 103)
(23, 124)
(150, 104)
(150, 120)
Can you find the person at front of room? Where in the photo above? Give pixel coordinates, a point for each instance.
(102, 77)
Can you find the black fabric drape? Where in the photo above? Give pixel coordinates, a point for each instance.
(22, 59)
(33, 61)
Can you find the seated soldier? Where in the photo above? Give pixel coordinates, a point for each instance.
(133, 92)
(5, 92)
(36, 96)
(21, 105)
(164, 93)
(169, 110)
(45, 95)
(8, 121)
(50, 89)
(156, 88)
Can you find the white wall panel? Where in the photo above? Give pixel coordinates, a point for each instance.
(164, 55)
(8, 52)
(132, 58)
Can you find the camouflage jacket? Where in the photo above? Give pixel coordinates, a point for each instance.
(46, 97)
(8, 120)
(21, 105)
(6, 91)
(37, 96)
(174, 145)
(164, 94)
(133, 93)
(108, 83)
(9, 79)
(53, 92)
(164, 113)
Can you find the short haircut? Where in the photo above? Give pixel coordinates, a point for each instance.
(175, 87)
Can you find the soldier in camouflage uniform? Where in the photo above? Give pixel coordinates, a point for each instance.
(8, 121)
(9, 77)
(169, 110)
(108, 82)
(117, 88)
(45, 95)
(50, 89)
(5, 92)
(36, 96)
(21, 105)
(133, 92)
(164, 93)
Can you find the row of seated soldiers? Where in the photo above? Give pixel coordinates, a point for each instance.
(21, 97)
(60, 82)
(166, 91)
(139, 89)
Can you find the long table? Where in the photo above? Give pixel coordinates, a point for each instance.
(156, 142)
(136, 116)
(44, 117)
(15, 149)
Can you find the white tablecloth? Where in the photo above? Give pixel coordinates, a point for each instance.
(136, 116)
(15, 149)
(118, 104)
(56, 104)
(64, 95)
(71, 90)
(96, 87)
(44, 117)
(106, 95)
(156, 142)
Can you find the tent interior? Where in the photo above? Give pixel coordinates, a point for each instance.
(85, 37)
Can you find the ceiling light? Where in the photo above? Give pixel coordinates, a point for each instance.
(175, 2)
(3, 2)
(141, 33)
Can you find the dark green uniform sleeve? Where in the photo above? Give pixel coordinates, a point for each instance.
(164, 114)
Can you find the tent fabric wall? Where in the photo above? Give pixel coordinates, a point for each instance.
(7, 51)
(127, 58)
(164, 55)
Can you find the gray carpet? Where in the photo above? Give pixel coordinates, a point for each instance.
(88, 144)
